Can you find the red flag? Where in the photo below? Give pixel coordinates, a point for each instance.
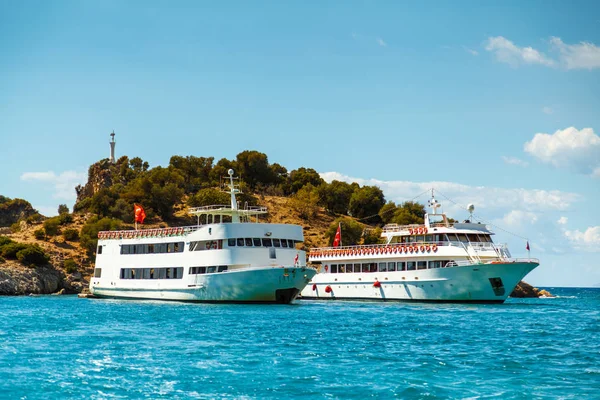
(337, 240)
(140, 214)
(527, 247)
(296, 259)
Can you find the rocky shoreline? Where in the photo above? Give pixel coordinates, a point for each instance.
(18, 280)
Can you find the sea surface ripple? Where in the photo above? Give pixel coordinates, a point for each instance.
(65, 347)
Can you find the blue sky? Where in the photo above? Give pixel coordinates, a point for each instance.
(494, 104)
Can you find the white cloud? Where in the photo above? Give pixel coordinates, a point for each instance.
(63, 184)
(381, 42)
(515, 161)
(507, 52)
(563, 220)
(483, 197)
(587, 241)
(578, 150)
(518, 218)
(471, 51)
(547, 110)
(584, 55)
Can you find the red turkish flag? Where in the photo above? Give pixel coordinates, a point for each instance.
(337, 240)
(140, 214)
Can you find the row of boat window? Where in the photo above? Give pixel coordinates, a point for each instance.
(152, 273)
(152, 248)
(260, 242)
(450, 237)
(387, 266)
(207, 270)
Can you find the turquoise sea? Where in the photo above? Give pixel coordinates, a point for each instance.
(64, 347)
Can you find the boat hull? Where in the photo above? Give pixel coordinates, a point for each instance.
(477, 283)
(254, 285)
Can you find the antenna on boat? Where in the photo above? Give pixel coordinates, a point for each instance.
(434, 204)
(471, 208)
(234, 216)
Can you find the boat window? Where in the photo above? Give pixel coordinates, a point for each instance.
(435, 264)
(452, 237)
(411, 265)
(139, 249)
(382, 267)
(334, 268)
(201, 270)
(99, 251)
(256, 242)
(248, 242)
(231, 242)
(97, 272)
(486, 238)
(391, 266)
(168, 273)
(284, 243)
(272, 253)
(473, 238)
(162, 273)
(211, 270)
(438, 238)
(192, 270)
(348, 268)
(291, 244)
(179, 247)
(463, 238)
(420, 238)
(373, 267)
(146, 273)
(365, 267)
(429, 238)
(401, 266)
(222, 268)
(267, 242)
(151, 273)
(150, 248)
(342, 269)
(276, 243)
(421, 264)
(240, 241)
(356, 267)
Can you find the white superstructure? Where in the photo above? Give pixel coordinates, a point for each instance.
(229, 258)
(437, 261)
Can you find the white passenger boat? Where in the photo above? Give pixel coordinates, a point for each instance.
(230, 258)
(439, 261)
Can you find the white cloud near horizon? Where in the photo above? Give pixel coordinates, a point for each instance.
(584, 55)
(515, 161)
(509, 53)
(461, 195)
(63, 184)
(563, 220)
(589, 240)
(577, 150)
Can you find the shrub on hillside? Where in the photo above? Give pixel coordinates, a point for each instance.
(65, 218)
(5, 240)
(34, 219)
(71, 235)
(366, 202)
(89, 233)
(63, 209)
(51, 226)
(16, 227)
(32, 255)
(305, 202)
(207, 197)
(2, 260)
(39, 234)
(10, 250)
(70, 266)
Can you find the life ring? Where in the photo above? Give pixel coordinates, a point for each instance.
(326, 268)
(410, 230)
(425, 230)
(395, 250)
(434, 248)
(410, 249)
(327, 289)
(428, 248)
(422, 249)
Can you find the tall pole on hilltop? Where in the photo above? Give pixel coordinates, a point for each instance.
(112, 147)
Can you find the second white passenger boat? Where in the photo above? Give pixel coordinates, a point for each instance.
(227, 259)
(438, 261)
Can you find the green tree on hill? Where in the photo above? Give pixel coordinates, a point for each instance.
(366, 202)
(350, 229)
(301, 177)
(335, 196)
(194, 170)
